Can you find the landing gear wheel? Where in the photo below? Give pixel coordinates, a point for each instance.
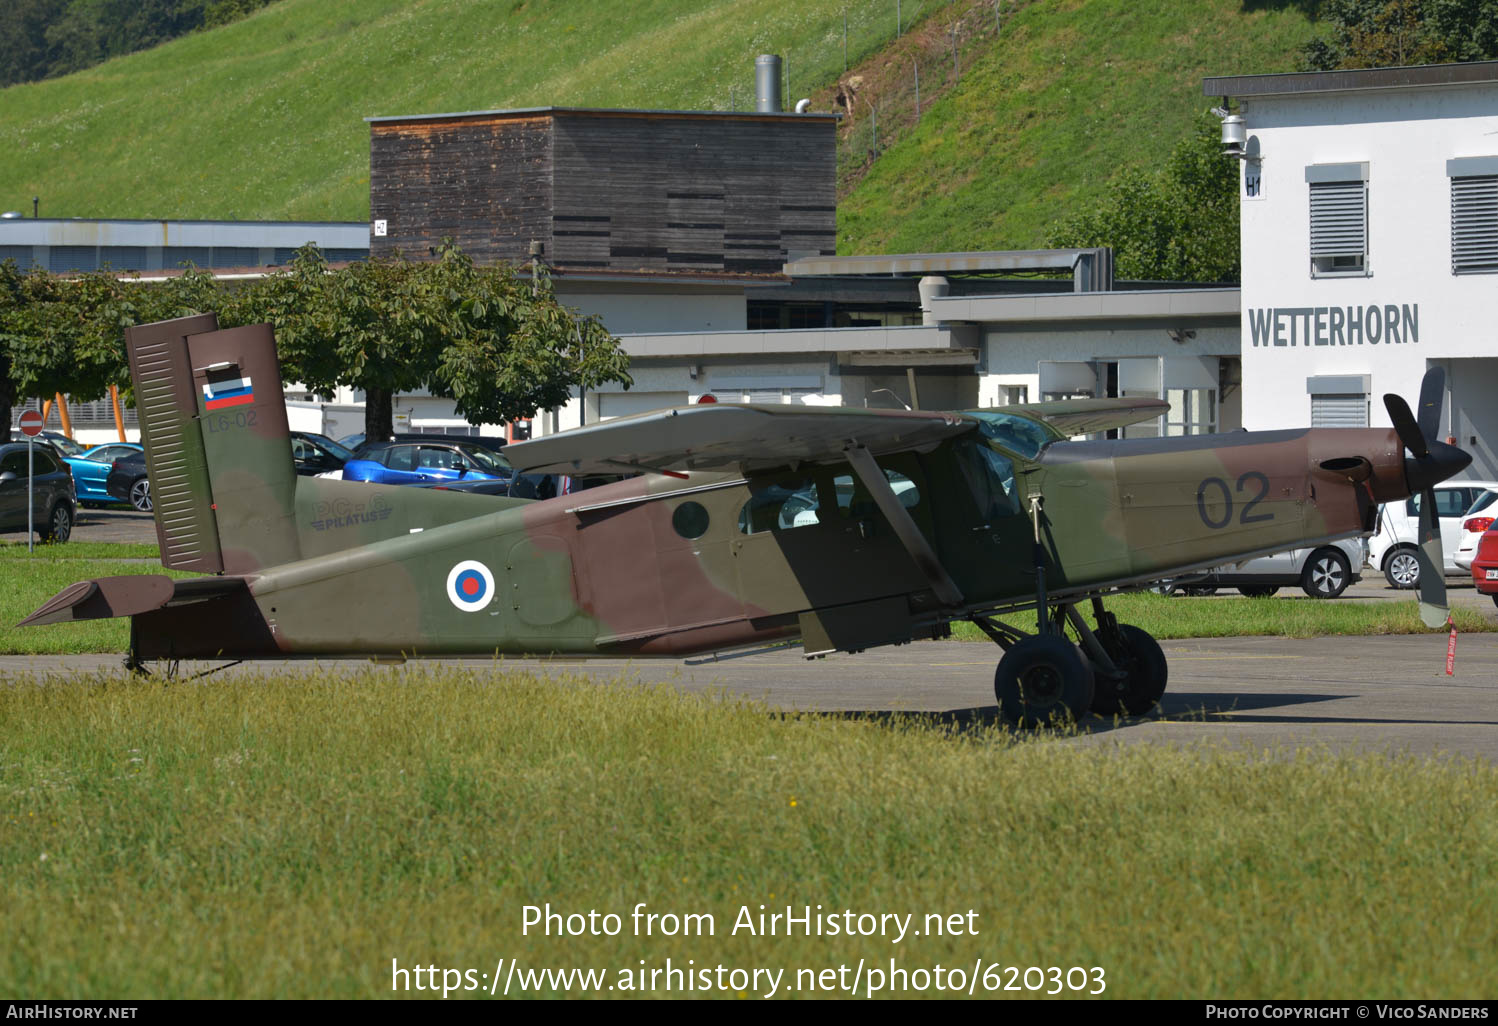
(1136, 652)
(1256, 591)
(1327, 574)
(1043, 680)
(1402, 569)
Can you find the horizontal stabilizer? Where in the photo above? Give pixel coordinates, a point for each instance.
(129, 595)
(733, 436)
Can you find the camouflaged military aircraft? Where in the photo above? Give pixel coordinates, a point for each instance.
(746, 525)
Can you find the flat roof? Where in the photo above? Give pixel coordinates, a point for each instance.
(1163, 304)
(1414, 76)
(941, 263)
(739, 115)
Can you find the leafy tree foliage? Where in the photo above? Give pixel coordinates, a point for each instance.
(42, 38)
(67, 334)
(1178, 224)
(1392, 33)
(501, 347)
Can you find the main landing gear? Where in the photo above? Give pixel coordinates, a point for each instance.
(1047, 679)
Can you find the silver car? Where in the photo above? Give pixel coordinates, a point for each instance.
(1321, 572)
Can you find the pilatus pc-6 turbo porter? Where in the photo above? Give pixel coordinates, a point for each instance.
(746, 525)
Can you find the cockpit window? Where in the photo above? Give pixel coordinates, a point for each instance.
(1019, 435)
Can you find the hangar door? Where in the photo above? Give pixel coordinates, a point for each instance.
(622, 404)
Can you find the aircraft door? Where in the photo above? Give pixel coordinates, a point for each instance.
(983, 535)
(816, 539)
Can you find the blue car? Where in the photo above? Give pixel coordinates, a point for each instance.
(415, 463)
(91, 467)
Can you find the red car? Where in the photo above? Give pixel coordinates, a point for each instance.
(1485, 564)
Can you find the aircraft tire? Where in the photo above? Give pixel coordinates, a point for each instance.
(1148, 671)
(1043, 681)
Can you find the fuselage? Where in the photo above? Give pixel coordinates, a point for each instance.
(661, 566)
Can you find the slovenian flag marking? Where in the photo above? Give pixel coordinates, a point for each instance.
(229, 392)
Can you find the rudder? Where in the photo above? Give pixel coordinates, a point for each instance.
(218, 445)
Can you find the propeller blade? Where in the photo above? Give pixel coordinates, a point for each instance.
(1433, 608)
(1432, 391)
(1405, 426)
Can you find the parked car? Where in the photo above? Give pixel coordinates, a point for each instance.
(418, 462)
(53, 498)
(128, 482)
(317, 454)
(61, 442)
(1392, 548)
(1475, 523)
(1321, 572)
(91, 468)
(1485, 565)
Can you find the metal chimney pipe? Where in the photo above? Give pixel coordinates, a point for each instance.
(767, 84)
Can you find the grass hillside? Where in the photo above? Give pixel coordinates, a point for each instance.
(1068, 94)
(262, 119)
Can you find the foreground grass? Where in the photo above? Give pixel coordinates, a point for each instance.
(288, 836)
(11, 551)
(1296, 617)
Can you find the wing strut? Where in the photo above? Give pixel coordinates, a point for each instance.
(905, 528)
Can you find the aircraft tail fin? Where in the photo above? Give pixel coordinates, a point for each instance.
(218, 445)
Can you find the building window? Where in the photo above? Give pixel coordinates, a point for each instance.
(1347, 409)
(1339, 400)
(1193, 411)
(1339, 219)
(1474, 214)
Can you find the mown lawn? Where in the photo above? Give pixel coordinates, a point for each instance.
(31, 579)
(290, 835)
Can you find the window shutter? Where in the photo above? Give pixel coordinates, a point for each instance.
(1474, 225)
(1339, 411)
(1339, 219)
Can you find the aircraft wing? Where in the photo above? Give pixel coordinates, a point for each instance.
(1084, 416)
(725, 436)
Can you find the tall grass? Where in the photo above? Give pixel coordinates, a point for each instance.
(289, 835)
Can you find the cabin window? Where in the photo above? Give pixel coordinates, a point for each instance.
(690, 520)
(781, 506)
(990, 480)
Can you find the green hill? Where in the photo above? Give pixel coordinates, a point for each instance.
(1067, 95)
(262, 119)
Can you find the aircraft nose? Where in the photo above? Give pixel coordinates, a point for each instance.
(1441, 462)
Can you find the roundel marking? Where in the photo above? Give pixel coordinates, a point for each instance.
(470, 586)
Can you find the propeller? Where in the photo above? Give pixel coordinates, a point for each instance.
(1433, 461)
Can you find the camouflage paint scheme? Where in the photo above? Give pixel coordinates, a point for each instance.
(663, 565)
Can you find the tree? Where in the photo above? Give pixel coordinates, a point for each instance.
(500, 347)
(1393, 33)
(1178, 224)
(67, 334)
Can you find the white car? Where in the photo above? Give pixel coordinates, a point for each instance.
(1392, 549)
(1475, 521)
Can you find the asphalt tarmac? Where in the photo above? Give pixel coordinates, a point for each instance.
(1388, 693)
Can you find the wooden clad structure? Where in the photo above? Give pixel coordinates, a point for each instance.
(608, 190)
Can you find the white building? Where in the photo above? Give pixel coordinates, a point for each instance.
(1369, 205)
